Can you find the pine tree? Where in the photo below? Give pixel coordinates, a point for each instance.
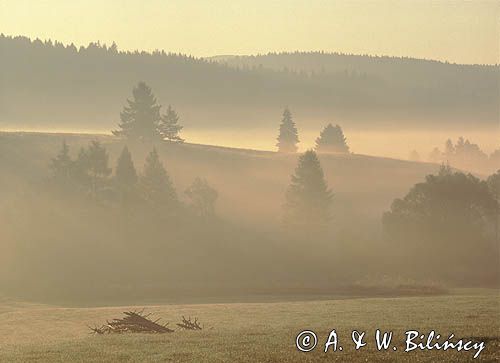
(155, 183)
(125, 178)
(331, 139)
(62, 165)
(141, 118)
(125, 174)
(169, 127)
(288, 137)
(80, 169)
(98, 169)
(308, 199)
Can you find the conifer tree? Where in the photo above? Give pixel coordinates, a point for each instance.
(98, 169)
(80, 169)
(125, 174)
(141, 117)
(169, 127)
(62, 165)
(125, 177)
(156, 186)
(288, 136)
(332, 139)
(308, 199)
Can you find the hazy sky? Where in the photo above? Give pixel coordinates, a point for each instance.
(459, 31)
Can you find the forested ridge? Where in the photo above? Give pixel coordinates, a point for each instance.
(48, 84)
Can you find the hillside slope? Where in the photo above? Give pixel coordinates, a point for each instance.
(251, 184)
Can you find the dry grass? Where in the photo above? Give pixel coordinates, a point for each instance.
(244, 332)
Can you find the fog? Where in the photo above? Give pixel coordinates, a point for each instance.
(134, 176)
(62, 244)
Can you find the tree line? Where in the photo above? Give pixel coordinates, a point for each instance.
(355, 85)
(465, 154)
(90, 175)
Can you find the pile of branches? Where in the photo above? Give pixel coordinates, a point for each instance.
(188, 324)
(133, 322)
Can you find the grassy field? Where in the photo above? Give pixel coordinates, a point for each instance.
(243, 332)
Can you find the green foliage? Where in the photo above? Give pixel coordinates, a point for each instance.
(169, 127)
(308, 199)
(288, 136)
(332, 139)
(156, 187)
(203, 197)
(141, 118)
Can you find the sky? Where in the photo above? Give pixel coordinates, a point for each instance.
(457, 31)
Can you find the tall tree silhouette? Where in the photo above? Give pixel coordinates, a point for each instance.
(288, 136)
(141, 117)
(155, 183)
(98, 169)
(332, 139)
(169, 127)
(62, 165)
(125, 176)
(308, 199)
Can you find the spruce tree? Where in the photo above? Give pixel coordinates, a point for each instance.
(141, 117)
(125, 177)
(125, 174)
(332, 139)
(62, 165)
(288, 136)
(80, 169)
(308, 199)
(98, 169)
(156, 186)
(169, 127)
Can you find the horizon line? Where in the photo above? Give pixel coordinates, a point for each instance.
(210, 57)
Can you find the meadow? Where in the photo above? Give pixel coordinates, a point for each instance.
(260, 331)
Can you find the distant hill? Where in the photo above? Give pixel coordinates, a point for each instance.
(46, 84)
